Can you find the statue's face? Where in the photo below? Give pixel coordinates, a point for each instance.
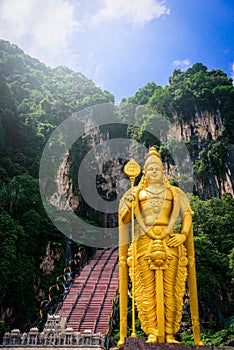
(154, 173)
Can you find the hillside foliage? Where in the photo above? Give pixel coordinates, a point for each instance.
(34, 100)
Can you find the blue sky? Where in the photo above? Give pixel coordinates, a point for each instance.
(120, 45)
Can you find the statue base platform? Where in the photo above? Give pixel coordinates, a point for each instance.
(140, 344)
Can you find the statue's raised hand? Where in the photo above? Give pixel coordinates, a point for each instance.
(130, 197)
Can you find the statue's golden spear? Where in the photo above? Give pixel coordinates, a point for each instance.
(132, 169)
(192, 284)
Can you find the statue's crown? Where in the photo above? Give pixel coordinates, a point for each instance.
(153, 157)
(152, 152)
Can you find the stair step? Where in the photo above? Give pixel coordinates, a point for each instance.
(90, 298)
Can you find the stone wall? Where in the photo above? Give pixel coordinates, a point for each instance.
(140, 344)
(54, 335)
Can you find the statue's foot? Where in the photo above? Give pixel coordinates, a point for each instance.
(120, 343)
(200, 343)
(151, 338)
(170, 339)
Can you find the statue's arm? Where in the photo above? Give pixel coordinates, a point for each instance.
(185, 212)
(186, 215)
(186, 223)
(125, 206)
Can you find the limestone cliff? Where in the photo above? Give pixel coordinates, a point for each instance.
(198, 133)
(205, 125)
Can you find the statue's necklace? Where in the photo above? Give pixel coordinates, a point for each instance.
(156, 197)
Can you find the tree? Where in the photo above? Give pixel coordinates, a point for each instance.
(161, 101)
(143, 95)
(224, 96)
(216, 155)
(214, 239)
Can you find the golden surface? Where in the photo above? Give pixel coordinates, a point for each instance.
(132, 170)
(160, 258)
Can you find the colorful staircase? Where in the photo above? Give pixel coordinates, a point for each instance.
(88, 305)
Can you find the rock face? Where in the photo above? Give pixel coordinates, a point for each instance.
(201, 129)
(204, 125)
(63, 198)
(48, 263)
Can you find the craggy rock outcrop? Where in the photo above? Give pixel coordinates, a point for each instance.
(205, 127)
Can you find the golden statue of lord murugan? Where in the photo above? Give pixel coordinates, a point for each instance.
(160, 256)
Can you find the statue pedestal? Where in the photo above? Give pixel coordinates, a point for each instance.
(140, 344)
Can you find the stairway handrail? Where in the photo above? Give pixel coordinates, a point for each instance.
(61, 302)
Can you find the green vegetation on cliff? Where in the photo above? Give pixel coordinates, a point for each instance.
(194, 91)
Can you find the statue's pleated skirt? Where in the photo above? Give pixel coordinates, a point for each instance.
(174, 278)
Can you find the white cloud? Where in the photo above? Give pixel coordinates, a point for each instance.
(181, 64)
(136, 12)
(38, 25)
(99, 76)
